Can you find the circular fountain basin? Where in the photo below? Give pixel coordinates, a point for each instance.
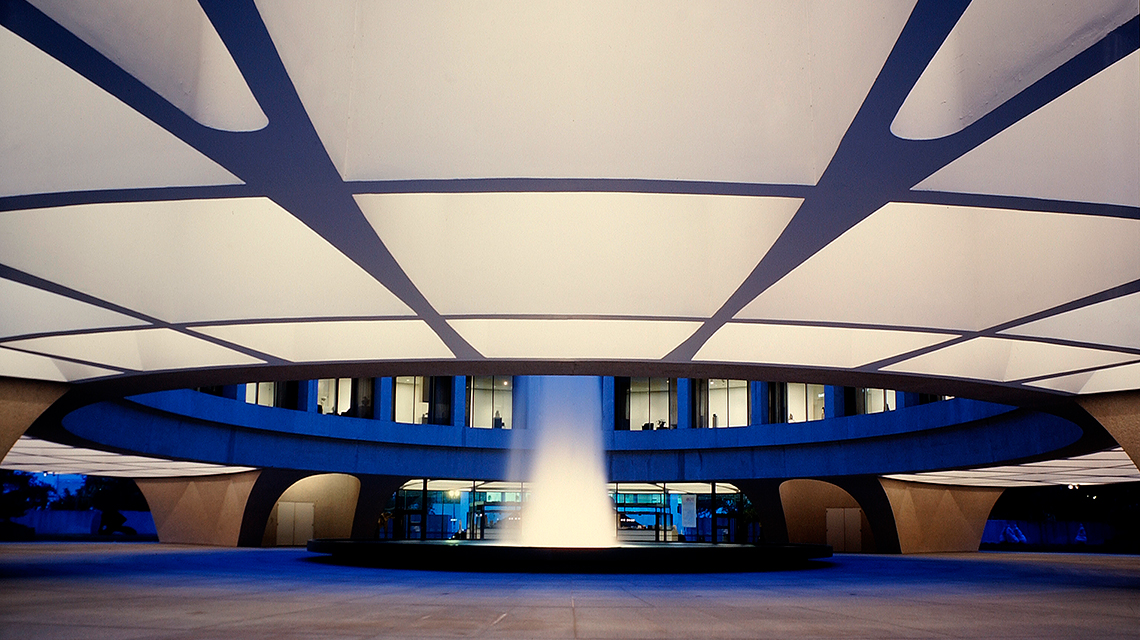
(453, 555)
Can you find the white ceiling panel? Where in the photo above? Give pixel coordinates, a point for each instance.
(937, 266)
(997, 49)
(42, 456)
(138, 350)
(1122, 378)
(1083, 146)
(574, 339)
(738, 91)
(1069, 384)
(30, 310)
(577, 253)
(1103, 467)
(1112, 322)
(336, 341)
(60, 132)
(172, 48)
(811, 346)
(194, 260)
(1003, 360)
(17, 364)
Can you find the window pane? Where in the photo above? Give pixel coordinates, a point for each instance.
(343, 396)
(737, 403)
(326, 388)
(815, 393)
(405, 397)
(265, 393)
(659, 402)
(421, 397)
(700, 405)
(874, 402)
(639, 404)
(718, 402)
(673, 413)
(797, 402)
(777, 402)
(501, 418)
(362, 397)
(479, 402)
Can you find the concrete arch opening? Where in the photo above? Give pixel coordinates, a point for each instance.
(320, 506)
(818, 512)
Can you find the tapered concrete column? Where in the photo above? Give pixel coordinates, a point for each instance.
(868, 492)
(21, 402)
(266, 491)
(204, 510)
(1119, 414)
(937, 518)
(765, 498)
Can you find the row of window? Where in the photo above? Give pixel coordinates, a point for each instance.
(642, 404)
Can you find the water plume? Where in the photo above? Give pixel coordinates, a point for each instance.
(568, 505)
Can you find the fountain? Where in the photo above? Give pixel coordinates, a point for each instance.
(568, 522)
(564, 464)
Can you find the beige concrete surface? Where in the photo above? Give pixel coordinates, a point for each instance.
(1119, 414)
(21, 402)
(199, 510)
(805, 504)
(333, 496)
(91, 591)
(936, 518)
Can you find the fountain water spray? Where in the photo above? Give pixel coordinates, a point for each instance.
(569, 505)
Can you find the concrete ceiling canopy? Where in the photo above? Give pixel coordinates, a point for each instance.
(573, 182)
(895, 193)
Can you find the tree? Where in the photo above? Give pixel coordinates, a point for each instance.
(21, 492)
(114, 494)
(102, 493)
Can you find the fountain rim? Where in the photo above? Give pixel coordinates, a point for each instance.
(499, 557)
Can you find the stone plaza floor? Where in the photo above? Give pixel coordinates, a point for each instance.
(96, 590)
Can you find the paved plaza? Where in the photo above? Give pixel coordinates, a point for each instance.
(91, 591)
